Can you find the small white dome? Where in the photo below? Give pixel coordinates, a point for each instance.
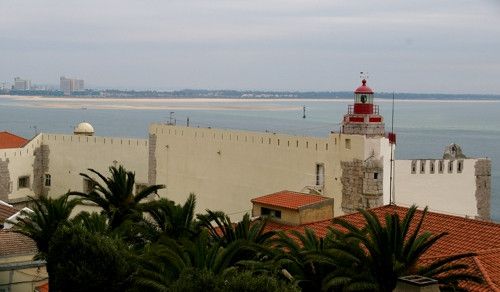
(85, 129)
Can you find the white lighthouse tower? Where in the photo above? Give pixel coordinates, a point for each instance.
(363, 117)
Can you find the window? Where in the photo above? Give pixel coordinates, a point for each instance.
(48, 180)
(23, 182)
(375, 175)
(413, 166)
(88, 185)
(441, 166)
(450, 166)
(140, 187)
(320, 174)
(422, 166)
(431, 166)
(270, 212)
(347, 143)
(460, 166)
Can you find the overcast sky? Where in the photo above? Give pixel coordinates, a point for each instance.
(449, 46)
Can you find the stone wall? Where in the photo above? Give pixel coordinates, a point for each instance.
(152, 160)
(483, 188)
(4, 180)
(40, 168)
(362, 185)
(373, 186)
(352, 185)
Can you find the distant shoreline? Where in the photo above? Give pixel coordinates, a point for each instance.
(231, 99)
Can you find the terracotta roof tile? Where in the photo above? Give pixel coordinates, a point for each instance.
(42, 288)
(6, 212)
(463, 236)
(8, 140)
(289, 200)
(15, 244)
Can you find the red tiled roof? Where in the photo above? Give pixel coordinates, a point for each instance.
(464, 236)
(42, 288)
(6, 212)
(15, 244)
(289, 200)
(8, 140)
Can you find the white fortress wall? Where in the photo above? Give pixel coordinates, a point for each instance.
(450, 190)
(17, 163)
(66, 156)
(226, 168)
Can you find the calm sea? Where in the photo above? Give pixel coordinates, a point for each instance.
(424, 128)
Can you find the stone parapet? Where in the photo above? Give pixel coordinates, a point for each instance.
(483, 188)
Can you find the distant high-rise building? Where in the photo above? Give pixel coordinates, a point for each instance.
(21, 84)
(68, 85)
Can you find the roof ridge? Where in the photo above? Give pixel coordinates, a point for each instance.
(485, 274)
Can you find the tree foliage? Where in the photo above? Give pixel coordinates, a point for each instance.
(158, 245)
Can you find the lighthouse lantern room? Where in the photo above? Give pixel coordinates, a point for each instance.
(363, 117)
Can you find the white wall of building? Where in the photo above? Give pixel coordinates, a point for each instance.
(446, 192)
(20, 164)
(70, 155)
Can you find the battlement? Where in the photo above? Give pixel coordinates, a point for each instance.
(259, 138)
(78, 139)
(26, 150)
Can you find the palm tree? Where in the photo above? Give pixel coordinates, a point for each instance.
(93, 222)
(165, 260)
(42, 222)
(173, 220)
(223, 231)
(381, 253)
(46, 218)
(115, 195)
(302, 258)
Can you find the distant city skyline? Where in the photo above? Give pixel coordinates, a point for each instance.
(448, 46)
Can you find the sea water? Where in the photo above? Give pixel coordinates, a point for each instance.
(423, 127)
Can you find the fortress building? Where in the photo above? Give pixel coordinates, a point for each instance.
(227, 168)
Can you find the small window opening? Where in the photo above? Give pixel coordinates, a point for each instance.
(375, 175)
(347, 143)
(140, 187)
(422, 166)
(460, 166)
(88, 185)
(450, 166)
(23, 182)
(413, 166)
(320, 174)
(270, 212)
(431, 166)
(48, 180)
(440, 166)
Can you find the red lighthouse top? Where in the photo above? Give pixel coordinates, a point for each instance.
(363, 88)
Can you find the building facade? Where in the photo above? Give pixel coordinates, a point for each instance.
(68, 85)
(21, 84)
(227, 168)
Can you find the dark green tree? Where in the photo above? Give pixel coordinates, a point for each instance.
(233, 280)
(83, 260)
(116, 196)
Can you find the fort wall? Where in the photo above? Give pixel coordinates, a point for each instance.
(226, 168)
(70, 155)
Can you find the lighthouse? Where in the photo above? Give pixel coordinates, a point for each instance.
(363, 116)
